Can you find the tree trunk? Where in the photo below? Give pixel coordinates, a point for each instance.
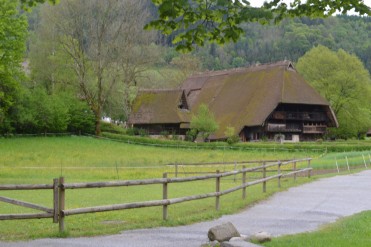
(97, 122)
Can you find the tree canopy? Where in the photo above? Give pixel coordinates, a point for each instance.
(13, 33)
(343, 80)
(204, 121)
(197, 21)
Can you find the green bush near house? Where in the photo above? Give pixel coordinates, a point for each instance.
(112, 128)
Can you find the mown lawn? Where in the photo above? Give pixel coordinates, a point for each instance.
(40, 159)
(349, 231)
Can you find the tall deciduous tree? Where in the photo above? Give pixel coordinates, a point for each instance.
(343, 80)
(107, 47)
(13, 31)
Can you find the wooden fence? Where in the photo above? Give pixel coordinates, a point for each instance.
(235, 164)
(59, 187)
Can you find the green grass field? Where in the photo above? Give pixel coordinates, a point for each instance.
(40, 159)
(83, 159)
(349, 231)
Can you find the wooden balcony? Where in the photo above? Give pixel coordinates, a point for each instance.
(282, 128)
(305, 116)
(304, 128)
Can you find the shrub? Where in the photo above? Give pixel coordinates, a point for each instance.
(319, 141)
(142, 132)
(231, 136)
(191, 135)
(112, 128)
(204, 121)
(132, 131)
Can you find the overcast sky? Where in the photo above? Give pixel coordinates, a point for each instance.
(258, 3)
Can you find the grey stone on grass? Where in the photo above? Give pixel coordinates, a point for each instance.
(223, 232)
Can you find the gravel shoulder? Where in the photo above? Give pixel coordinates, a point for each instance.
(300, 209)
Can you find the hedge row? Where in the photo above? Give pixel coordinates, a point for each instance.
(342, 146)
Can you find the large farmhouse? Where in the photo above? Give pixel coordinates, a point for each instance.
(263, 101)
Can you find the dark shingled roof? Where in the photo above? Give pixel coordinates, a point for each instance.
(158, 107)
(238, 97)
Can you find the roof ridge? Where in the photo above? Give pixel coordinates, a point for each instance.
(161, 90)
(282, 63)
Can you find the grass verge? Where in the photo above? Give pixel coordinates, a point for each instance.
(349, 231)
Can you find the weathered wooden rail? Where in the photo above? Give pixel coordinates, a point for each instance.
(213, 164)
(59, 187)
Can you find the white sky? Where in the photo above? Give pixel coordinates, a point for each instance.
(258, 3)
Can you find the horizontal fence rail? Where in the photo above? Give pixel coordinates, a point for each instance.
(59, 187)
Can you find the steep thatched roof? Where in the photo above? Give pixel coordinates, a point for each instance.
(158, 107)
(247, 96)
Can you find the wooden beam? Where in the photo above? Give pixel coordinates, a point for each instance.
(164, 197)
(55, 200)
(25, 204)
(25, 216)
(217, 190)
(61, 204)
(25, 186)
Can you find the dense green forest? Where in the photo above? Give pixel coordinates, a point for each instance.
(80, 63)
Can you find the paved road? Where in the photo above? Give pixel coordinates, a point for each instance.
(299, 209)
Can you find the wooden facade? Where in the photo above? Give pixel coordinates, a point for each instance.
(294, 122)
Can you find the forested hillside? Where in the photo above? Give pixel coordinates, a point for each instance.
(290, 40)
(81, 63)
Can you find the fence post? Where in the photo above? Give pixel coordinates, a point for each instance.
(164, 197)
(346, 157)
(176, 170)
(243, 182)
(364, 161)
(294, 169)
(55, 200)
(61, 204)
(279, 173)
(310, 171)
(235, 169)
(217, 198)
(337, 166)
(264, 176)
